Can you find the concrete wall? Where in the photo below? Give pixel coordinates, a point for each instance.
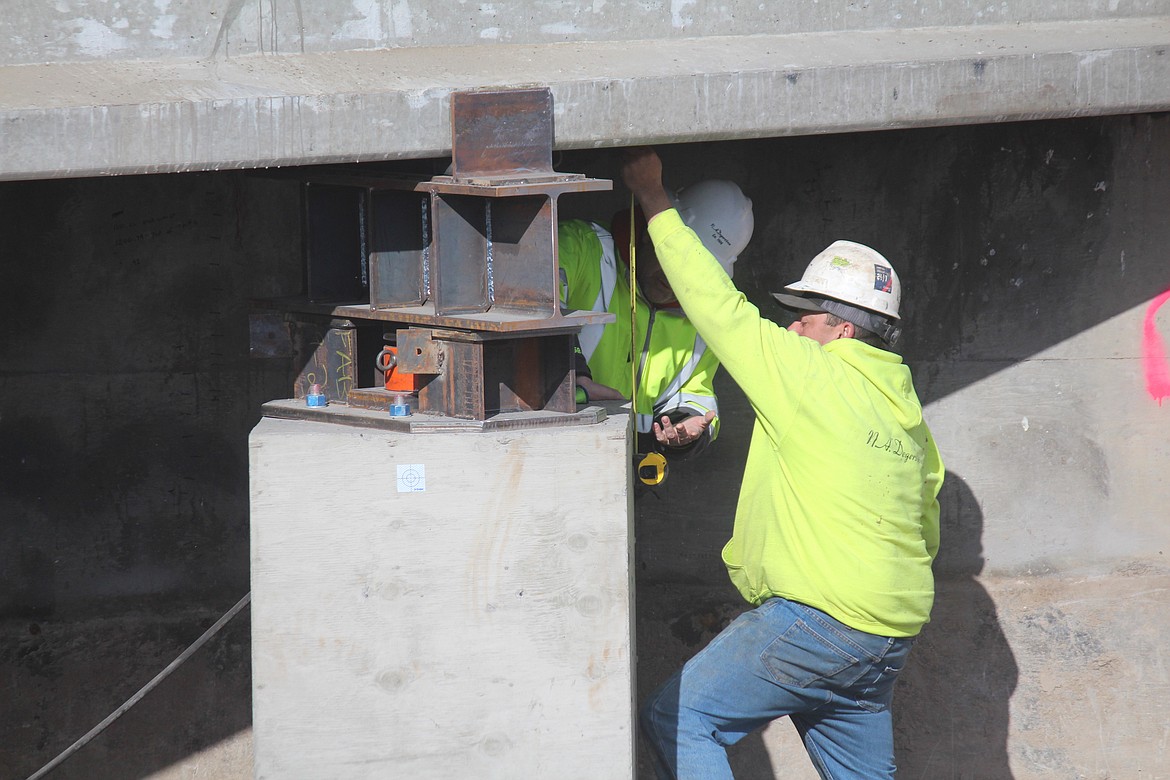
(125, 400)
(143, 29)
(1032, 255)
(92, 30)
(143, 87)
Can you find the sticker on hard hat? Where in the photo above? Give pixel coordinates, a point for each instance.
(840, 262)
(883, 279)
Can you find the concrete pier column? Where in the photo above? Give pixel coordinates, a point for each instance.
(438, 605)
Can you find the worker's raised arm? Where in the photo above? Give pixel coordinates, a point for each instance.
(642, 173)
(747, 344)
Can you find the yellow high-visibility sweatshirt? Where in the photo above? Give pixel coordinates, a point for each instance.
(838, 508)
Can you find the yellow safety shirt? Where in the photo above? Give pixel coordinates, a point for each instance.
(675, 368)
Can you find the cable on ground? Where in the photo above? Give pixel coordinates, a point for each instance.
(175, 664)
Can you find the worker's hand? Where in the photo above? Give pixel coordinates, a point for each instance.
(597, 391)
(684, 432)
(642, 173)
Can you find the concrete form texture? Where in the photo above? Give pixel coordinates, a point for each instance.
(474, 622)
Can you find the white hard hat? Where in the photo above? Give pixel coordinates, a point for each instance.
(721, 216)
(853, 274)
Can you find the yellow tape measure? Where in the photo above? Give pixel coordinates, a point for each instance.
(652, 466)
(652, 469)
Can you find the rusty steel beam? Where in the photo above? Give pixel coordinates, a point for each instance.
(501, 133)
(469, 260)
(474, 376)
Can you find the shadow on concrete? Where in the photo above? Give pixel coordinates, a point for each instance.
(63, 677)
(951, 704)
(674, 623)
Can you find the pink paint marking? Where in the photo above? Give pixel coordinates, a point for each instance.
(1154, 353)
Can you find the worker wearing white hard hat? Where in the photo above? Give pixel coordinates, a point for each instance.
(675, 394)
(836, 526)
(853, 283)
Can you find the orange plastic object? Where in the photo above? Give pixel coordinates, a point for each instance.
(398, 381)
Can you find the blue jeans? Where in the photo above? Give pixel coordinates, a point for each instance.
(781, 658)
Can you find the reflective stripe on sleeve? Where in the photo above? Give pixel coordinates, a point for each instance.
(590, 335)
